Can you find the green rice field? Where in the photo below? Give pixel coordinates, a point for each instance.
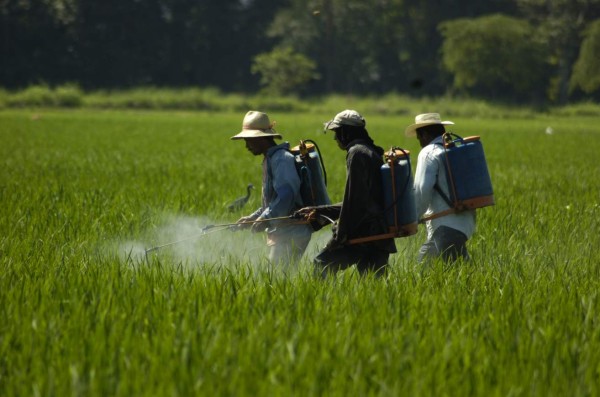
(83, 312)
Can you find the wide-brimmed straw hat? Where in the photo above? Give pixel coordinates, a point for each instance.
(256, 125)
(423, 120)
(347, 117)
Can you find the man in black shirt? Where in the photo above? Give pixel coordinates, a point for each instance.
(361, 213)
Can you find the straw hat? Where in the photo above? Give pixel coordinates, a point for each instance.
(347, 117)
(256, 125)
(423, 120)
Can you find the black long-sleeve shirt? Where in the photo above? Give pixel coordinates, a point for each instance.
(361, 211)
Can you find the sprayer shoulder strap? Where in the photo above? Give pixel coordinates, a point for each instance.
(443, 195)
(437, 187)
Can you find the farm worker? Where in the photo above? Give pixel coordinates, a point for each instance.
(447, 235)
(280, 191)
(360, 214)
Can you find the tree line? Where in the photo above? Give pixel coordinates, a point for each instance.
(512, 50)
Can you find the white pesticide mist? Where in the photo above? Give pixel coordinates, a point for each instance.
(190, 242)
(133, 250)
(214, 245)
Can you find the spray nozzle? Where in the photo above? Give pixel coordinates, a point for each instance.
(207, 227)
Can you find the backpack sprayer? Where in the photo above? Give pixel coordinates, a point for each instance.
(311, 170)
(398, 197)
(469, 183)
(398, 193)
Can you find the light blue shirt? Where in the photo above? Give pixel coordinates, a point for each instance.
(431, 168)
(280, 190)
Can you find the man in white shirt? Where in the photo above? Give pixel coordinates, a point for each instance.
(447, 235)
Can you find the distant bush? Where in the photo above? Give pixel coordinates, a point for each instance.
(578, 109)
(33, 96)
(69, 95)
(273, 103)
(163, 98)
(401, 105)
(3, 98)
(138, 98)
(211, 99)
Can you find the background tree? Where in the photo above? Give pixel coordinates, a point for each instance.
(368, 46)
(283, 72)
(358, 46)
(111, 43)
(121, 43)
(586, 72)
(493, 55)
(560, 23)
(344, 37)
(34, 41)
(422, 41)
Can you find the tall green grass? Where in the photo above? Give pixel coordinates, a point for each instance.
(83, 313)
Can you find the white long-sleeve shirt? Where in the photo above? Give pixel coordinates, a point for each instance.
(431, 168)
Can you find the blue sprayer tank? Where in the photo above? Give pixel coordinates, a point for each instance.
(469, 182)
(313, 178)
(398, 193)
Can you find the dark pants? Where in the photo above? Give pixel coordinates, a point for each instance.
(447, 243)
(365, 258)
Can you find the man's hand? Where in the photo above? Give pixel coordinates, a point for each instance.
(311, 215)
(244, 222)
(258, 226)
(305, 213)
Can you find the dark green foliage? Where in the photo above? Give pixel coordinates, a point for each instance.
(585, 72)
(124, 43)
(283, 72)
(359, 47)
(560, 24)
(493, 54)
